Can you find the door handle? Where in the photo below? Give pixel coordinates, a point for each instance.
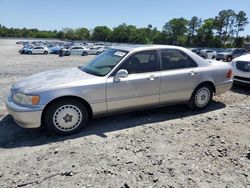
(152, 77)
(192, 73)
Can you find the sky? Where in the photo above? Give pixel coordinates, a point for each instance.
(58, 14)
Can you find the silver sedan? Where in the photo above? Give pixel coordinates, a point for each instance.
(120, 79)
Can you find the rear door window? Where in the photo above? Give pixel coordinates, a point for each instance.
(175, 59)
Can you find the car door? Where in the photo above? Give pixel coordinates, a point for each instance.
(140, 88)
(73, 51)
(41, 50)
(35, 50)
(179, 76)
(209, 54)
(79, 50)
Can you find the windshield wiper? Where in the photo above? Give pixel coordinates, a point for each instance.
(88, 71)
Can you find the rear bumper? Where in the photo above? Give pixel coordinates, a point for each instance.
(24, 116)
(222, 87)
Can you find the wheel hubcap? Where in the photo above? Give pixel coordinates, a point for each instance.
(202, 97)
(67, 117)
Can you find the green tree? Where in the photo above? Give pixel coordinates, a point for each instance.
(205, 35)
(102, 33)
(241, 22)
(247, 39)
(82, 33)
(193, 25)
(239, 42)
(224, 24)
(69, 34)
(124, 33)
(176, 30)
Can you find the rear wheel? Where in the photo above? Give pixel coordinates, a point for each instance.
(66, 117)
(201, 97)
(29, 52)
(45, 52)
(84, 54)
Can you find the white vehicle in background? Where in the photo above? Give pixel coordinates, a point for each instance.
(97, 50)
(38, 50)
(241, 66)
(208, 54)
(79, 50)
(84, 51)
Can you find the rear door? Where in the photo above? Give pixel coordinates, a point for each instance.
(179, 76)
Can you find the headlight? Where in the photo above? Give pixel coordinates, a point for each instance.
(26, 99)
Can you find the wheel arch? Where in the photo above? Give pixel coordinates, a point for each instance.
(206, 83)
(84, 102)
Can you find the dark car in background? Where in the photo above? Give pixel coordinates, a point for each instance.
(230, 54)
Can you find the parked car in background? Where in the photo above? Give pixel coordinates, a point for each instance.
(30, 49)
(96, 50)
(208, 54)
(38, 50)
(79, 50)
(196, 51)
(230, 54)
(247, 47)
(241, 66)
(120, 79)
(64, 51)
(25, 49)
(55, 49)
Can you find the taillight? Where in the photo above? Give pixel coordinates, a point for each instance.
(229, 74)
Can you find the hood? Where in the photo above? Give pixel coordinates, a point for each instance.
(245, 57)
(52, 79)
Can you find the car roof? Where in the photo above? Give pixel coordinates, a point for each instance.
(131, 48)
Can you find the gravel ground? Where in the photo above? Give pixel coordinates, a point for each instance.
(166, 147)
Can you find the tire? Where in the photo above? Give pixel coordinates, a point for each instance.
(46, 53)
(201, 97)
(66, 117)
(213, 57)
(229, 59)
(84, 54)
(29, 52)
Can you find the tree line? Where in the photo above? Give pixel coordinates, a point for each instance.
(221, 31)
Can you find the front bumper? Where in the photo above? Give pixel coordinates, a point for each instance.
(26, 117)
(221, 58)
(241, 76)
(222, 87)
(241, 79)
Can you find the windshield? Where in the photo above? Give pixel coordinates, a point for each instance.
(104, 63)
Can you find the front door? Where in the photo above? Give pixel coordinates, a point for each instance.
(140, 88)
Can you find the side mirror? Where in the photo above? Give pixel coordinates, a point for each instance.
(122, 73)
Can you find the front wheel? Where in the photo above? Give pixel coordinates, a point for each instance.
(229, 59)
(201, 97)
(45, 52)
(66, 117)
